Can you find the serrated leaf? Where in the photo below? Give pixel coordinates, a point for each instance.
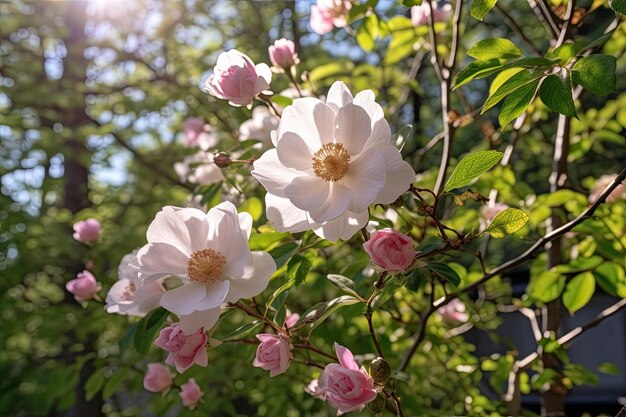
(517, 103)
(556, 93)
(596, 73)
(618, 5)
(494, 48)
(579, 291)
(344, 284)
(546, 287)
(480, 8)
(471, 167)
(506, 222)
(518, 80)
(445, 272)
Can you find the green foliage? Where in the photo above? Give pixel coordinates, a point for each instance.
(556, 93)
(506, 222)
(595, 73)
(480, 8)
(471, 167)
(494, 48)
(579, 291)
(618, 5)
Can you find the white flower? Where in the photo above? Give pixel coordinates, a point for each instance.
(198, 169)
(332, 160)
(210, 255)
(259, 127)
(128, 295)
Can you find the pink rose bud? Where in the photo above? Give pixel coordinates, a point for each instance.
(391, 250)
(283, 54)
(454, 311)
(158, 378)
(236, 79)
(84, 287)
(184, 350)
(344, 385)
(327, 14)
(291, 319)
(190, 394)
(273, 354)
(419, 14)
(87, 231)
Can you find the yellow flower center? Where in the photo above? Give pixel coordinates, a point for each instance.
(206, 266)
(331, 162)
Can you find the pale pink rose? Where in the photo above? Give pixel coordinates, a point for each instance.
(391, 250)
(273, 354)
(327, 14)
(87, 231)
(158, 378)
(190, 394)
(419, 14)
(291, 318)
(236, 79)
(283, 54)
(184, 350)
(454, 311)
(344, 385)
(84, 287)
(314, 389)
(197, 134)
(618, 193)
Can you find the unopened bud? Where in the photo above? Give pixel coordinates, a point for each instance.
(377, 406)
(222, 160)
(453, 116)
(380, 371)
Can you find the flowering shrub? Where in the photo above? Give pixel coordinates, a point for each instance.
(312, 222)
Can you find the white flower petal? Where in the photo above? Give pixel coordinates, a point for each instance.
(343, 227)
(184, 228)
(245, 223)
(400, 175)
(353, 128)
(193, 322)
(273, 175)
(183, 300)
(381, 133)
(264, 71)
(216, 293)
(284, 215)
(161, 259)
(294, 152)
(255, 278)
(307, 192)
(338, 95)
(335, 205)
(366, 178)
(309, 118)
(226, 237)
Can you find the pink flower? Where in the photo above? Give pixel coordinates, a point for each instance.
(283, 54)
(84, 287)
(618, 193)
(454, 311)
(344, 385)
(329, 13)
(158, 378)
(419, 14)
(236, 79)
(291, 318)
(87, 231)
(490, 212)
(190, 394)
(391, 250)
(273, 354)
(184, 350)
(196, 135)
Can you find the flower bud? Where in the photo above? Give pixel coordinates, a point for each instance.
(222, 160)
(377, 406)
(380, 371)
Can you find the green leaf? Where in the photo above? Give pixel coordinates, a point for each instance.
(517, 103)
(518, 80)
(262, 241)
(595, 73)
(386, 293)
(609, 368)
(445, 272)
(580, 375)
(283, 252)
(321, 311)
(579, 291)
(610, 276)
(282, 101)
(252, 206)
(506, 222)
(546, 287)
(545, 377)
(411, 3)
(367, 33)
(564, 52)
(114, 382)
(344, 284)
(494, 48)
(94, 384)
(471, 167)
(147, 329)
(298, 268)
(333, 69)
(401, 46)
(556, 93)
(579, 264)
(480, 8)
(618, 5)
(242, 330)
(476, 70)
